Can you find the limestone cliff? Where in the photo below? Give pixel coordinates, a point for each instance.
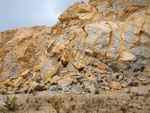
(103, 44)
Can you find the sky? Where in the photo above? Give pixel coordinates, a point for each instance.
(27, 13)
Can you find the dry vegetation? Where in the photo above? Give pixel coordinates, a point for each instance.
(100, 102)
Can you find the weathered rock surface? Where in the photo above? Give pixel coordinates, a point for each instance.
(107, 41)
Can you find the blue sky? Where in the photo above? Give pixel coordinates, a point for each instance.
(27, 13)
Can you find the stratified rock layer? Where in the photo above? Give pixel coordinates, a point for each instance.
(103, 44)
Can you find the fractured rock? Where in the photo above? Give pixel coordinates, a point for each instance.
(37, 87)
(19, 82)
(25, 74)
(55, 79)
(103, 43)
(64, 83)
(79, 64)
(52, 72)
(126, 56)
(115, 86)
(65, 57)
(36, 68)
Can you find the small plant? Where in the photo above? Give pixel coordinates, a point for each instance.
(71, 98)
(73, 106)
(97, 91)
(123, 108)
(28, 100)
(109, 97)
(36, 104)
(56, 103)
(131, 96)
(83, 106)
(11, 103)
(70, 108)
(146, 96)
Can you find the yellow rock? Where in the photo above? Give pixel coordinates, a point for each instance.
(57, 48)
(3, 89)
(66, 57)
(68, 78)
(142, 79)
(25, 74)
(36, 68)
(106, 88)
(79, 64)
(98, 64)
(115, 86)
(120, 78)
(52, 72)
(79, 7)
(10, 89)
(124, 85)
(126, 56)
(24, 89)
(8, 83)
(55, 79)
(88, 73)
(100, 70)
(34, 84)
(85, 16)
(28, 81)
(19, 82)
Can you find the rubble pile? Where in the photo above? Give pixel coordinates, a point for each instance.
(104, 44)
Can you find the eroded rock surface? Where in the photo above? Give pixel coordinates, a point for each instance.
(103, 44)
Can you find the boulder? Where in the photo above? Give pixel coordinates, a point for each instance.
(19, 82)
(52, 71)
(55, 79)
(64, 83)
(73, 11)
(8, 83)
(79, 64)
(37, 87)
(25, 74)
(115, 86)
(127, 56)
(36, 68)
(65, 57)
(89, 86)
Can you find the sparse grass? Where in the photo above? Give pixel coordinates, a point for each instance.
(70, 108)
(131, 96)
(36, 104)
(84, 104)
(57, 103)
(73, 106)
(28, 100)
(123, 108)
(67, 109)
(146, 96)
(92, 104)
(11, 103)
(71, 98)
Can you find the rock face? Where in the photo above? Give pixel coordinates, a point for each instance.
(105, 44)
